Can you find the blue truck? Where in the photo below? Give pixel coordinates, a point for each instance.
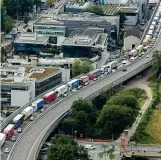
(105, 69)
(38, 104)
(73, 84)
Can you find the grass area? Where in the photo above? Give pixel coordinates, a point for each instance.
(47, 72)
(142, 100)
(101, 154)
(153, 128)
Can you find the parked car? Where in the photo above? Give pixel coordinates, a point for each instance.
(124, 69)
(89, 146)
(42, 110)
(7, 150)
(19, 130)
(65, 95)
(147, 56)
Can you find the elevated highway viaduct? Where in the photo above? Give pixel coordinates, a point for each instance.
(26, 146)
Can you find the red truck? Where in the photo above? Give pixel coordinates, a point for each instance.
(84, 79)
(94, 74)
(9, 131)
(49, 97)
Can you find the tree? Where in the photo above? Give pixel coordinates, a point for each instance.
(6, 21)
(95, 9)
(80, 67)
(3, 54)
(65, 148)
(156, 63)
(26, 20)
(113, 119)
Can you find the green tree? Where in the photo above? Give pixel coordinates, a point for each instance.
(95, 9)
(80, 67)
(65, 148)
(113, 119)
(156, 63)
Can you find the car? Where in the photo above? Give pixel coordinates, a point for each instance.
(74, 90)
(31, 118)
(89, 146)
(94, 79)
(46, 12)
(147, 56)
(19, 130)
(65, 95)
(124, 69)
(13, 138)
(42, 110)
(86, 83)
(124, 58)
(2, 119)
(7, 150)
(79, 87)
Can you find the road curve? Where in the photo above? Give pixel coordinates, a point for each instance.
(28, 145)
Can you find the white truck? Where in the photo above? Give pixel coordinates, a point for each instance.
(27, 112)
(112, 65)
(2, 139)
(60, 91)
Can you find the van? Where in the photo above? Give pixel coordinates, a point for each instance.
(89, 146)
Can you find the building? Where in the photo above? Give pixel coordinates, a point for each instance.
(81, 42)
(30, 43)
(64, 24)
(123, 2)
(131, 15)
(74, 7)
(50, 27)
(19, 85)
(132, 38)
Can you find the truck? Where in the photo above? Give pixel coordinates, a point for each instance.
(60, 91)
(105, 69)
(73, 84)
(8, 131)
(18, 120)
(83, 79)
(38, 104)
(112, 65)
(140, 48)
(49, 97)
(2, 139)
(146, 41)
(27, 112)
(133, 53)
(94, 74)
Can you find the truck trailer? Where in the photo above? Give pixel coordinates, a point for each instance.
(27, 112)
(73, 84)
(83, 79)
(60, 91)
(9, 131)
(38, 104)
(2, 139)
(49, 97)
(18, 120)
(94, 74)
(133, 53)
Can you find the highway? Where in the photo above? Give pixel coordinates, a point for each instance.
(29, 142)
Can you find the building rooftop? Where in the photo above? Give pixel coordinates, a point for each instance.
(129, 10)
(48, 20)
(60, 18)
(85, 37)
(47, 72)
(31, 38)
(81, 5)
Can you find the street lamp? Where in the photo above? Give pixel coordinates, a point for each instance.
(75, 134)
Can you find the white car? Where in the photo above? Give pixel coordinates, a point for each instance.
(31, 118)
(86, 83)
(65, 95)
(42, 110)
(147, 56)
(89, 146)
(94, 79)
(19, 130)
(7, 150)
(74, 90)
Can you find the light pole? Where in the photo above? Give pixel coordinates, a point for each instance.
(75, 134)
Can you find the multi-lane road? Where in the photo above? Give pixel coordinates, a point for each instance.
(28, 145)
